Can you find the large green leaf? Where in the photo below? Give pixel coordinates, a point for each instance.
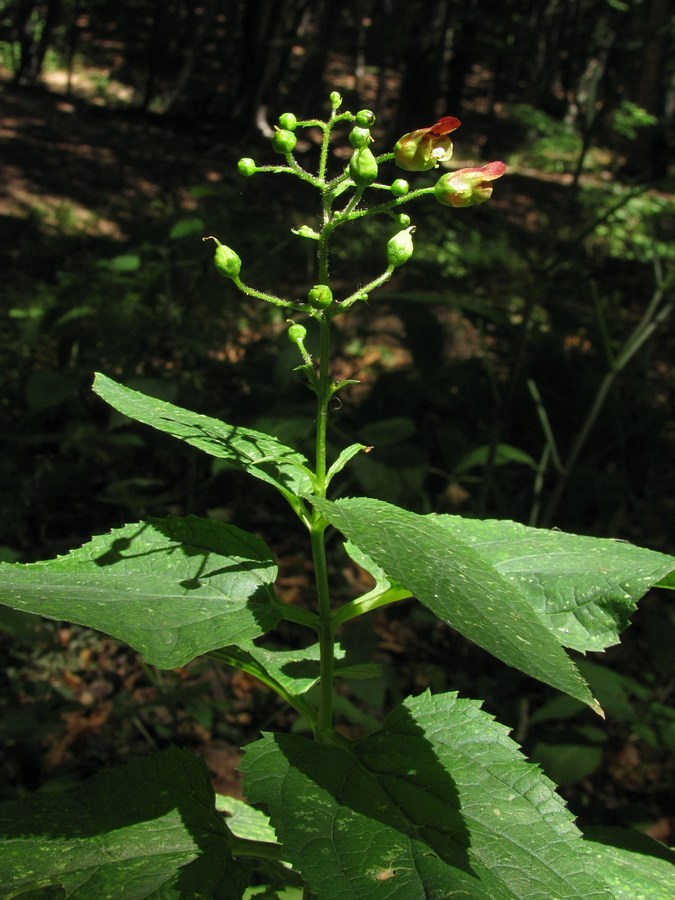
(634, 866)
(439, 801)
(448, 576)
(172, 588)
(584, 588)
(258, 454)
(146, 830)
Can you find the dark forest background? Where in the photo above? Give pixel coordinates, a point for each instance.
(521, 366)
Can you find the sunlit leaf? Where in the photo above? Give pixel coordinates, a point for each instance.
(439, 802)
(171, 588)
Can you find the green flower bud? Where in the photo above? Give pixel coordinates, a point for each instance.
(359, 137)
(403, 220)
(320, 296)
(400, 187)
(226, 260)
(284, 141)
(400, 248)
(365, 118)
(335, 101)
(363, 166)
(247, 167)
(288, 121)
(297, 334)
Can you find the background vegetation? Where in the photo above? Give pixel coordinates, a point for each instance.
(521, 367)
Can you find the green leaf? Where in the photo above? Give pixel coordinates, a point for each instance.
(188, 227)
(505, 453)
(634, 866)
(449, 577)
(584, 588)
(294, 671)
(440, 800)
(147, 829)
(126, 262)
(256, 453)
(344, 457)
(667, 582)
(567, 763)
(244, 821)
(171, 588)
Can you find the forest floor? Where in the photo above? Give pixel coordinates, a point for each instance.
(70, 166)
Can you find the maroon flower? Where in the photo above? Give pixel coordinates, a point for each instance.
(425, 148)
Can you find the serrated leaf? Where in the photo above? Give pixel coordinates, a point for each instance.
(449, 577)
(146, 830)
(584, 588)
(171, 588)
(256, 453)
(633, 865)
(439, 800)
(244, 821)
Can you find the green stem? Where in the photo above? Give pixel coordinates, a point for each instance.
(363, 292)
(324, 725)
(367, 603)
(269, 298)
(324, 721)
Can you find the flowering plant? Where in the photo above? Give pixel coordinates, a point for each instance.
(437, 801)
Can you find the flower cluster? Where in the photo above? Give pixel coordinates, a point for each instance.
(418, 151)
(426, 148)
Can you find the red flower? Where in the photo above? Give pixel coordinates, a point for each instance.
(425, 148)
(468, 187)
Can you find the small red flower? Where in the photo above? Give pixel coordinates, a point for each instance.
(425, 148)
(468, 187)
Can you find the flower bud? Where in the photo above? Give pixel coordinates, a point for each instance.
(226, 260)
(365, 118)
(363, 166)
(335, 101)
(288, 121)
(359, 137)
(468, 187)
(403, 220)
(297, 334)
(400, 187)
(400, 247)
(284, 141)
(246, 167)
(320, 296)
(425, 148)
